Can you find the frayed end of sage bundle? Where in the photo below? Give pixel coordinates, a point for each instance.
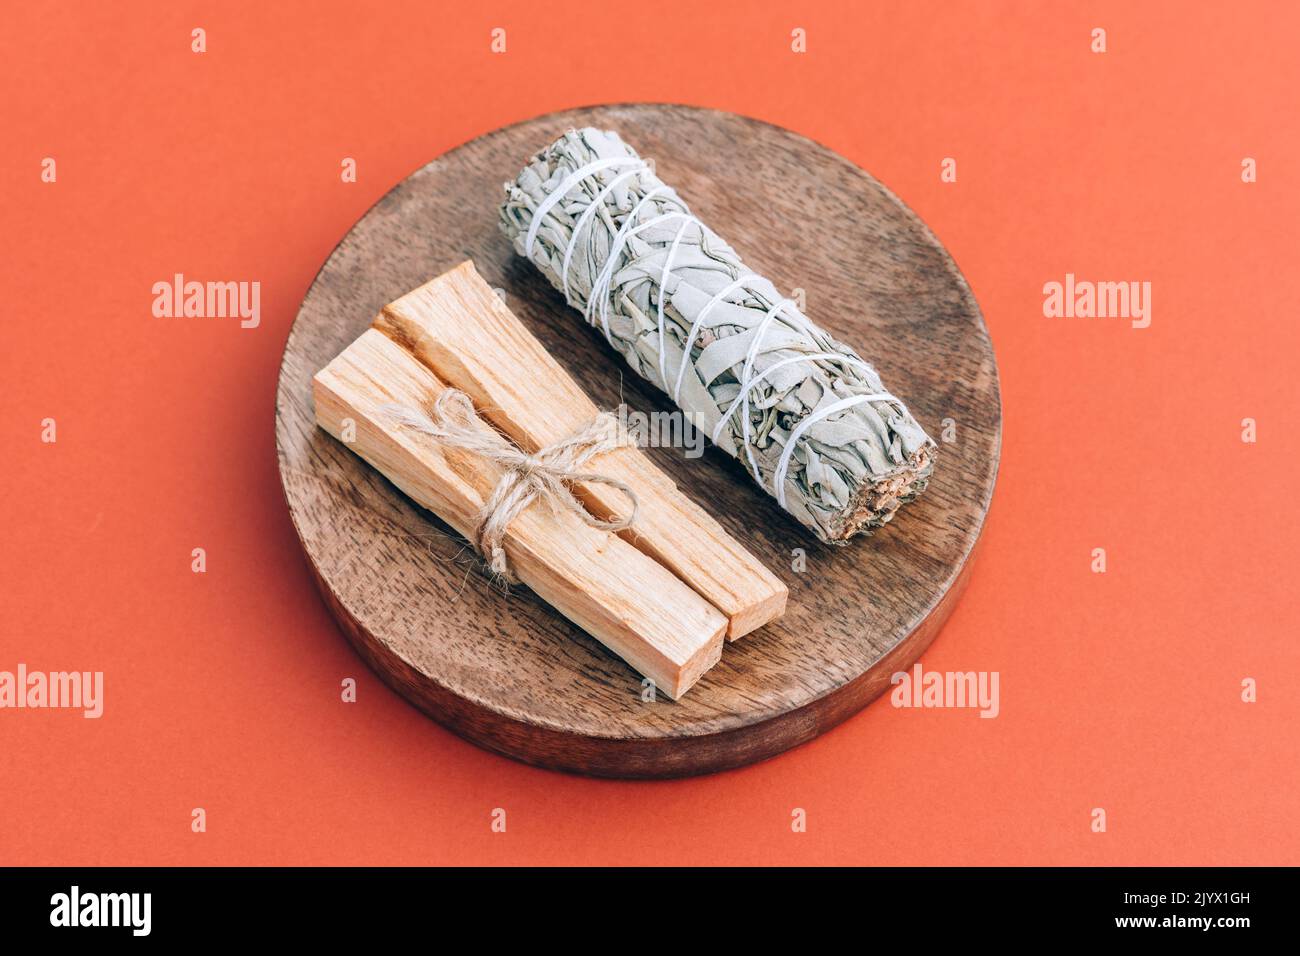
(806, 415)
(876, 503)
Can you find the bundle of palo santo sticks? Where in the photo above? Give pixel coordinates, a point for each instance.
(460, 407)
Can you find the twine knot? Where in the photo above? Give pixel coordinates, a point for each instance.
(548, 474)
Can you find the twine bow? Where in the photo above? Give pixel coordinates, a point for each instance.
(548, 474)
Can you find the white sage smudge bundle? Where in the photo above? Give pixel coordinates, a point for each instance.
(806, 415)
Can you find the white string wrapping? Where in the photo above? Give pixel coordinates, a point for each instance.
(601, 299)
(806, 415)
(547, 475)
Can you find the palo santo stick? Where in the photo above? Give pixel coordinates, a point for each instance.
(460, 328)
(621, 597)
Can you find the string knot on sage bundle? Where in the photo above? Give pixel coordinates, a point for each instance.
(547, 475)
(807, 416)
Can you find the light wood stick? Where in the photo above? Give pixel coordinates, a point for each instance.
(622, 597)
(459, 327)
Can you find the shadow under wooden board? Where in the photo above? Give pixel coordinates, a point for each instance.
(509, 673)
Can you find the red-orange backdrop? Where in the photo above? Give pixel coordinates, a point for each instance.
(1120, 691)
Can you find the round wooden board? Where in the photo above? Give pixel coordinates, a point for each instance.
(503, 669)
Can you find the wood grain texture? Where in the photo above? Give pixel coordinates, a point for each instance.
(460, 328)
(508, 672)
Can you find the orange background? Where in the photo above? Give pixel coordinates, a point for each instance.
(1119, 690)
